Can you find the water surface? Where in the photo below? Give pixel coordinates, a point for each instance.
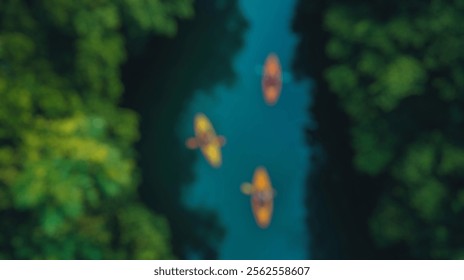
(257, 135)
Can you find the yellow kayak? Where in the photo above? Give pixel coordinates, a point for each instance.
(207, 140)
(272, 79)
(262, 196)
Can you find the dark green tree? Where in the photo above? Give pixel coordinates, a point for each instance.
(68, 177)
(397, 71)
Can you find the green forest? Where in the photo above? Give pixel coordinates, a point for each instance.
(68, 174)
(393, 73)
(75, 112)
(90, 165)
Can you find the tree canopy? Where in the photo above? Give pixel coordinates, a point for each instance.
(397, 71)
(68, 176)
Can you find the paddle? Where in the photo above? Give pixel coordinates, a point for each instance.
(246, 188)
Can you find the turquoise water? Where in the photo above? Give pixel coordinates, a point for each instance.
(257, 135)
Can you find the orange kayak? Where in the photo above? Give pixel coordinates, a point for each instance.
(206, 139)
(262, 197)
(272, 79)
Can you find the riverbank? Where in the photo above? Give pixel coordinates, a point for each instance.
(339, 199)
(160, 81)
(388, 77)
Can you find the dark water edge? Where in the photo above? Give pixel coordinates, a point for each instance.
(340, 200)
(160, 80)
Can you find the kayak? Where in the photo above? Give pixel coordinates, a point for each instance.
(272, 79)
(207, 140)
(262, 197)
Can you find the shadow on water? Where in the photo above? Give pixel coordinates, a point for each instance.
(160, 80)
(339, 200)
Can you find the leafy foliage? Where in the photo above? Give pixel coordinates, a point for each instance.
(398, 71)
(67, 173)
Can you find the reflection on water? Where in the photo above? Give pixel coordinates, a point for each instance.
(257, 135)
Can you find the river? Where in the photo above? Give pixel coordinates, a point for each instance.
(256, 135)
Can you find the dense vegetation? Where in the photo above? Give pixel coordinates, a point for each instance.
(394, 73)
(67, 171)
